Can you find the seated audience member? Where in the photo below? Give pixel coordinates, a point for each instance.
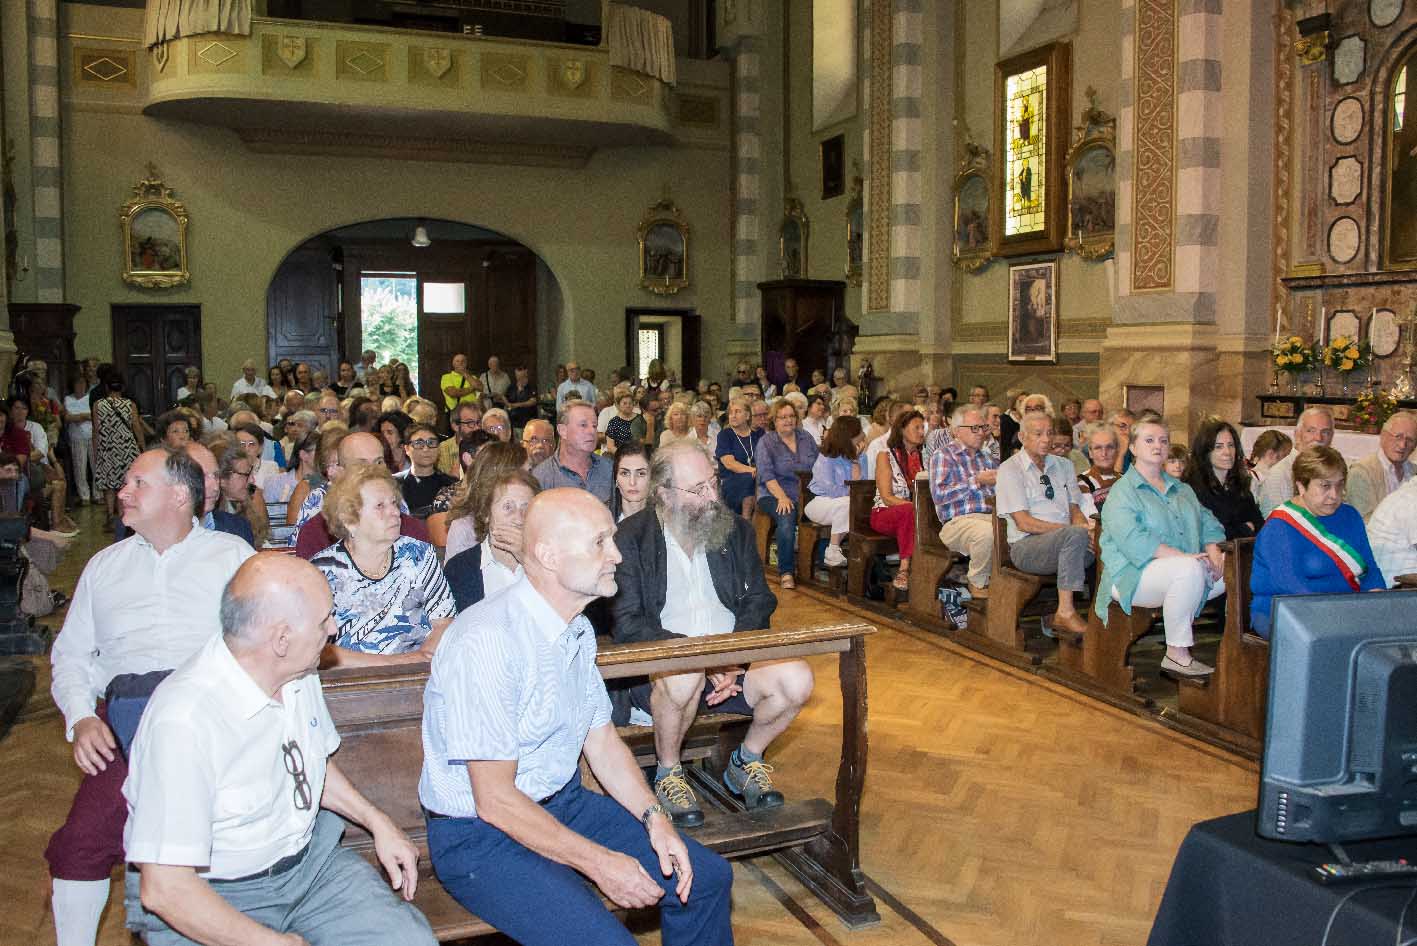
(1122, 422)
(780, 454)
(1270, 447)
(818, 418)
(1064, 447)
(963, 477)
(463, 420)
(482, 467)
(736, 450)
(1100, 445)
(1392, 530)
(689, 568)
(883, 415)
(252, 441)
(625, 424)
(937, 438)
(539, 441)
(876, 444)
(1177, 459)
(421, 481)
(1038, 499)
(893, 512)
(994, 417)
(329, 410)
(497, 424)
(314, 531)
(677, 424)
(631, 481)
(296, 425)
(301, 468)
(837, 464)
(1160, 548)
(122, 620)
(175, 429)
(326, 465)
(1314, 543)
(239, 498)
(1090, 412)
(512, 833)
(1218, 477)
(212, 516)
(494, 563)
(1314, 429)
(392, 429)
(225, 852)
(391, 599)
(575, 462)
(1387, 468)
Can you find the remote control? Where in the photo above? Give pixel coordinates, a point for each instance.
(1360, 871)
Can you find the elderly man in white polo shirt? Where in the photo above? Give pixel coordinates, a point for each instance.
(234, 805)
(1038, 497)
(1314, 429)
(1372, 478)
(250, 383)
(513, 702)
(143, 604)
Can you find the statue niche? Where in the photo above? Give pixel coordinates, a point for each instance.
(1401, 216)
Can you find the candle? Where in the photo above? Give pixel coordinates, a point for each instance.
(1278, 321)
(1322, 329)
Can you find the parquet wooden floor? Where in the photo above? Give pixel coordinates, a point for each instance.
(1000, 809)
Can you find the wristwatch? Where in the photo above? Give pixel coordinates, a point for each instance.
(655, 809)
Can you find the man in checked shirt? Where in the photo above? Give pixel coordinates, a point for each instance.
(962, 479)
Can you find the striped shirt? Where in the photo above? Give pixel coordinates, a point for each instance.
(954, 480)
(511, 681)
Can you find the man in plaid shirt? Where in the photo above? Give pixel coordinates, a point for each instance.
(962, 478)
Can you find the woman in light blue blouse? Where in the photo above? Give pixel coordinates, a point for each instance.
(830, 504)
(1160, 548)
(781, 454)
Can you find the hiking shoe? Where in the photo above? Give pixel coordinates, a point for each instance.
(674, 793)
(752, 782)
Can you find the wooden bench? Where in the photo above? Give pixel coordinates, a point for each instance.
(379, 711)
(1011, 591)
(863, 544)
(809, 533)
(930, 562)
(1231, 701)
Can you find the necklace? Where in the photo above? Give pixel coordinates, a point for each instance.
(746, 445)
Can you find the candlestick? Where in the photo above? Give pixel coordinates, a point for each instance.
(1322, 328)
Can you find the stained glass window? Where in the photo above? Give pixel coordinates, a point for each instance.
(1026, 152)
(1399, 99)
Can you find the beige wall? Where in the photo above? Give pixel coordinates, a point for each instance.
(248, 210)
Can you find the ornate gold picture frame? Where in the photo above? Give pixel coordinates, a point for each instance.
(792, 239)
(1032, 96)
(973, 222)
(154, 228)
(855, 231)
(664, 249)
(1092, 184)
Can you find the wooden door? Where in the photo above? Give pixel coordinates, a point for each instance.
(302, 310)
(152, 347)
(508, 324)
(443, 330)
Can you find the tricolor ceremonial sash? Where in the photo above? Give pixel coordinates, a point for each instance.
(1350, 563)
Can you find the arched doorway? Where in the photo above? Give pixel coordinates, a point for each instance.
(419, 290)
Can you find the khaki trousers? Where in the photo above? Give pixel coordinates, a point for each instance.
(972, 535)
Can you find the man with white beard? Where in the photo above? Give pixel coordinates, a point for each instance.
(689, 568)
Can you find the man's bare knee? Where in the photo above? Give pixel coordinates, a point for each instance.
(679, 689)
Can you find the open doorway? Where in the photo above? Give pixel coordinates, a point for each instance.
(669, 336)
(388, 315)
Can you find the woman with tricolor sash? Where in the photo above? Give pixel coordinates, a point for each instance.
(1313, 544)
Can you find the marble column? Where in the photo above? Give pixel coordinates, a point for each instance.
(46, 169)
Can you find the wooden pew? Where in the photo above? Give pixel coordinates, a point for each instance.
(1098, 659)
(1229, 705)
(809, 533)
(378, 712)
(1011, 590)
(930, 562)
(863, 543)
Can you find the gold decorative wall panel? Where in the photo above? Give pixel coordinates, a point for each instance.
(220, 56)
(570, 77)
(625, 84)
(105, 68)
(287, 56)
(435, 66)
(503, 72)
(878, 204)
(1154, 190)
(362, 62)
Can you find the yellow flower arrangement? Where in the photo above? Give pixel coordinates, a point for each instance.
(1345, 354)
(1293, 355)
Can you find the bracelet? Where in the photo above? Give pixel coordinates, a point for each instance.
(651, 811)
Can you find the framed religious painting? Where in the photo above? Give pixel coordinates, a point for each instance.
(1033, 311)
(664, 249)
(792, 240)
(972, 247)
(154, 228)
(1092, 183)
(1032, 98)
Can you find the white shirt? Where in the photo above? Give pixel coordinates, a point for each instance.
(874, 449)
(265, 472)
(213, 425)
(135, 611)
(461, 537)
(209, 776)
(691, 606)
(183, 393)
(39, 440)
(1392, 532)
(80, 430)
(816, 428)
(495, 575)
(259, 386)
(1277, 488)
(1021, 488)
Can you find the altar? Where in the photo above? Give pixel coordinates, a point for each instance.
(1351, 443)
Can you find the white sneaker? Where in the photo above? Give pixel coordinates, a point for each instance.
(834, 557)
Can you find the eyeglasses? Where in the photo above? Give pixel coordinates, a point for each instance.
(239, 474)
(1047, 486)
(495, 428)
(976, 428)
(708, 489)
(424, 443)
(539, 441)
(295, 765)
(246, 443)
(329, 411)
(466, 423)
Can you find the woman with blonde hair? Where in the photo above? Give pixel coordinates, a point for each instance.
(676, 424)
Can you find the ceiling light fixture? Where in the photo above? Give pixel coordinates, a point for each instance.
(420, 236)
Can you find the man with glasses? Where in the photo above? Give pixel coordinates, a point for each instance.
(1387, 468)
(219, 520)
(146, 603)
(1314, 429)
(463, 419)
(421, 482)
(962, 479)
(312, 532)
(758, 415)
(689, 567)
(539, 439)
(329, 410)
(236, 807)
(1038, 498)
(498, 424)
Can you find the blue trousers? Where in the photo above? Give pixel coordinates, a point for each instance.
(786, 533)
(538, 902)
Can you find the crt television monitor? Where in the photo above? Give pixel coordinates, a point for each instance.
(1340, 747)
